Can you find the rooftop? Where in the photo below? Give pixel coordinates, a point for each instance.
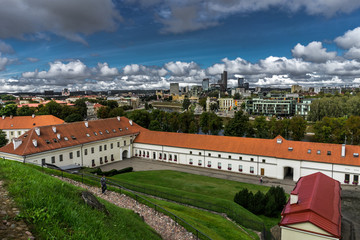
(28, 122)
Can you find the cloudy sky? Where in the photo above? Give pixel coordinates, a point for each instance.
(147, 44)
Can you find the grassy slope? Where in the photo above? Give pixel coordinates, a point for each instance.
(209, 189)
(213, 225)
(55, 209)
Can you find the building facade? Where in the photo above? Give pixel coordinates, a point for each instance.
(174, 88)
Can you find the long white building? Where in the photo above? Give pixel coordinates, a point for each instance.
(98, 142)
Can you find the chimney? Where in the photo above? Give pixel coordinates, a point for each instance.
(86, 124)
(130, 121)
(3, 117)
(11, 116)
(17, 142)
(343, 150)
(59, 136)
(37, 130)
(54, 129)
(33, 116)
(118, 118)
(294, 198)
(34, 141)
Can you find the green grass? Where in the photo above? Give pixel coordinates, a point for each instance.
(55, 210)
(197, 191)
(213, 225)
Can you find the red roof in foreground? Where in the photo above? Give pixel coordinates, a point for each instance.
(318, 203)
(28, 122)
(255, 146)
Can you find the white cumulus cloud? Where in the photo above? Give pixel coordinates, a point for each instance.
(350, 39)
(313, 52)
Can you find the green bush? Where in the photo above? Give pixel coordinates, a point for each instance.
(112, 172)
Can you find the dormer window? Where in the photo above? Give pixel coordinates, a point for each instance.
(114, 130)
(66, 138)
(318, 152)
(107, 131)
(356, 154)
(309, 151)
(100, 132)
(279, 140)
(290, 149)
(73, 137)
(47, 141)
(88, 135)
(95, 133)
(328, 152)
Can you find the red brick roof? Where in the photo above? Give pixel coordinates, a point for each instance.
(255, 146)
(319, 203)
(28, 122)
(109, 128)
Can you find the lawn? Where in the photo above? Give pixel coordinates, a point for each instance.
(213, 225)
(201, 191)
(55, 210)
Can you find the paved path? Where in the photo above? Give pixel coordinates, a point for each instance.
(149, 165)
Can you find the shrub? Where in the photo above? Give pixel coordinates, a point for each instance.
(112, 172)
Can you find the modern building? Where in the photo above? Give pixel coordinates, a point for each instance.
(296, 88)
(223, 81)
(97, 142)
(174, 88)
(18, 125)
(205, 84)
(313, 210)
(241, 82)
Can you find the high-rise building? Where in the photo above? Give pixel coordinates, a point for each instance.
(205, 84)
(224, 80)
(174, 88)
(240, 82)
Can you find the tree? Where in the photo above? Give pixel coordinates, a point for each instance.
(155, 125)
(261, 127)
(297, 128)
(215, 124)
(53, 108)
(186, 104)
(238, 126)
(9, 110)
(352, 127)
(74, 117)
(188, 122)
(237, 96)
(214, 107)
(103, 112)
(3, 139)
(80, 104)
(25, 111)
(202, 102)
(204, 122)
(119, 111)
(141, 117)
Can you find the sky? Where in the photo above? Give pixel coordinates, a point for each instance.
(148, 44)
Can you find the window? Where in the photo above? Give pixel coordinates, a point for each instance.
(105, 147)
(219, 165)
(88, 135)
(71, 155)
(19, 133)
(66, 138)
(240, 158)
(164, 156)
(43, 161)
(52, 159)
(106, 159)
(101, 161)
(93, 163)
(125, 143)
(191, 161)
(92, 150)
(252, 159)
(111, 145)
(356, 154)
(209, 154)
(107, 131)
(263, 160)
(229, 156)
(61, 157)
(147, 154)
(318, 152)
(229, 166)
(309, 151)
(78, 154)
(131, 141)
(200, 153)
(219, 155)
(112, 157)
(175, 158)
(95, 133)
(251, 169)
(199, 162)
(85, 152)
(347, 178)
(240, 168)
(100, 132)
(328, 152)
(118, 144)
(209, 164)
(11, 133)
(190, 152)
(290, 149)
(170, 157)
(100, 148)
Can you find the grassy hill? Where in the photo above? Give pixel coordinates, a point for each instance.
(55, 210)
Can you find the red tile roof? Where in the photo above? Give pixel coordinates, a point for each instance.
(255, 146)
(28, 122)
(319, 203)
(109, 128)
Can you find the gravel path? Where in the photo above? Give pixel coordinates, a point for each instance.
(9, 227)
(161, 223)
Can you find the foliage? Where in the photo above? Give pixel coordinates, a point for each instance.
(74, 117)
(210, 122)
(297, 128)
(261, 127)
(112, 172)
(333, 130)
(186, 104)
(270, 204)
(188, 124)
(7, 97)
(25, 111)
(118, 111)
(81, 107)
(141, 117)
(238, 126)
(3, 139)
(202, 103)
(9, 110)
(237, 96)
(103, 112)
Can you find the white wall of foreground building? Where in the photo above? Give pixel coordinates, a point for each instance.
(14, 133)
(93, 154)
(299, 234)
(245, 164)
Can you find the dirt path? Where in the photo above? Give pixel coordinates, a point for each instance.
(9, 227)
(162, 224)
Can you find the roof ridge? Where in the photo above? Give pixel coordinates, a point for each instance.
(28, 140)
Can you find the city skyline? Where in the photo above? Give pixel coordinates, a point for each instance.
(138, 44)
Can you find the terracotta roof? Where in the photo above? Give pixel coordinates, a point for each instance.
(318, 203)
(255, 146)
(28, 122)
(98, 105)
(75, 133)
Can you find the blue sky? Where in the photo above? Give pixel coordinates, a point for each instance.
(147, 44)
